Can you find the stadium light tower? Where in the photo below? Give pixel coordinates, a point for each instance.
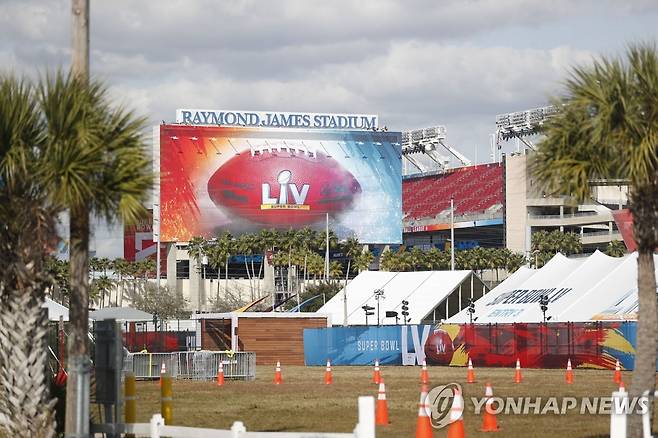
(521, 124)
(427, 142)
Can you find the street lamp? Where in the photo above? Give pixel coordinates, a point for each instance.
(369, 311)
(471, 309)
(379, 295)
(204, 263)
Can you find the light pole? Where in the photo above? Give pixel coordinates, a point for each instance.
(379, 295)
(202, 299)
(452, 234)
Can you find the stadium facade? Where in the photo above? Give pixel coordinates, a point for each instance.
(496, 204)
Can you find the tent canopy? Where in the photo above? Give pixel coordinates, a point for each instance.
(120, 314)
(432, 295)
(598, 287)
(55, 310)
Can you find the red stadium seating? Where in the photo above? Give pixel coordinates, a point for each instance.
(474, 190)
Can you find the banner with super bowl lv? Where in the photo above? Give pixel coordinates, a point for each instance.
(240, 179)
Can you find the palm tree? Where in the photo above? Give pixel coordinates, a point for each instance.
(26, 235)
(321, 243)
(335, 271)
(606, 129)
(386, 259)
(245, 246)
(226, 246)
(95, 163)
(615, 249)
(350, 248)
(514, 261)
(363, 260)
(121, 269)
(196, 250)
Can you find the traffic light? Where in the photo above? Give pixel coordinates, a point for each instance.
(543, 305)
(405, 310)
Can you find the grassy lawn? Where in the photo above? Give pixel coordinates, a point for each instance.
(303, 403)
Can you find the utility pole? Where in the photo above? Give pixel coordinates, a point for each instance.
(80, 39)
(79, 366)
(326, 252)
(452, 234)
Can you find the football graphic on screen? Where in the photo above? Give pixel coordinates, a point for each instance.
(439, 348)
(283, 187)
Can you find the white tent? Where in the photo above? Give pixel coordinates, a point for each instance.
(55, 310)
(582, 289)
(432, 296)
(121, 314)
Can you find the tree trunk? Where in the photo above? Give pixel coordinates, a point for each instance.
(644, 374)
(251, 287)
(260, 271)
(226, 279)
(77, 415)
(25, 407)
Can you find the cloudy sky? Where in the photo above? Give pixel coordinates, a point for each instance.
(415, 63)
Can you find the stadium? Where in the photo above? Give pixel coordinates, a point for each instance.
(329, 244)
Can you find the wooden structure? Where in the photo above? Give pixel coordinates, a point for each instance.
(273, 336)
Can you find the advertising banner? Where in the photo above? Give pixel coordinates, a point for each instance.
(362, 345)
(588, 345)
(215, 179)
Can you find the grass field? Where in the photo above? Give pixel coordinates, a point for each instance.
(303, 403)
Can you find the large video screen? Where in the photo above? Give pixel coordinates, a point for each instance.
(245, 179)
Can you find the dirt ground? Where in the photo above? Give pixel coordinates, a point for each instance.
(304, 403)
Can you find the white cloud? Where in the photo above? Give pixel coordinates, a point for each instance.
(416, 63)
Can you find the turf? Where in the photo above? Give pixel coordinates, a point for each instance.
(303, 403)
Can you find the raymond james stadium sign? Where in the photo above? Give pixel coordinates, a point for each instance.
(276, 119)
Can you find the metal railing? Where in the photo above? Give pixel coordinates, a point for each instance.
(204, 365)
(195, 365)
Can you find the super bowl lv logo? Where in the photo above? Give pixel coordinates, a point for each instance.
(285, 188)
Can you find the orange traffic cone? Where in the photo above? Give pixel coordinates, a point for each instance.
(621, 387)
(456, 425)
(470, 374)
(489, 423)
(569, 375)
(517, 374)
(424, 376)
(617, 378)
(381, 410)
(423, 424)
(278, 380)
(328, 377)
(163, 371)
(376, 375)
(220, 374)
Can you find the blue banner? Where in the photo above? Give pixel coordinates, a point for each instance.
(363, 345)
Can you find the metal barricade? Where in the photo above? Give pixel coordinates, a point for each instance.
(149, 365)
(194, 365)
(204, 365)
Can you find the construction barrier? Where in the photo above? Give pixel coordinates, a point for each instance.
(194, 365)
(597, 344)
